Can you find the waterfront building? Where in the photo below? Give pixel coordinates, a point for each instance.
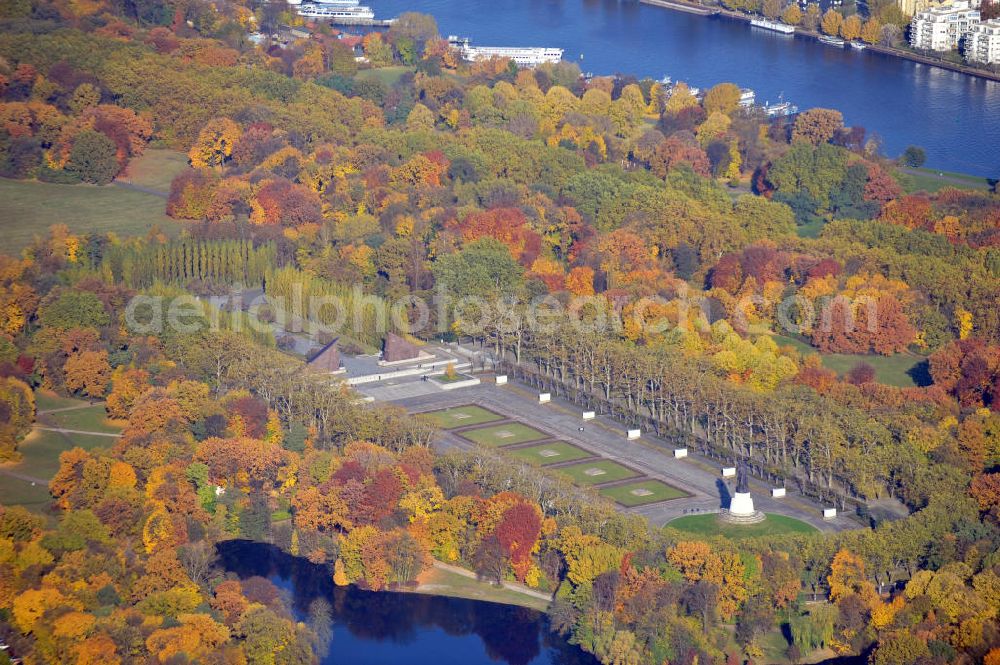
(942, 28)
(982, 45)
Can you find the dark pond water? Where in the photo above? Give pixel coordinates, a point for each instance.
(956, 118)
(397, 628)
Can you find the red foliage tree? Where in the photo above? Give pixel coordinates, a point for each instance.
(727, 273)
(517, 533)
(509, 226)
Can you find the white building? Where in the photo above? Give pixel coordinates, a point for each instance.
(982, 44)
(942, 28)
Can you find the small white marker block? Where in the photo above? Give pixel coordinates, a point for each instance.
(777, 492)
(728, 471)
(680, 452)
(829, 513)
(502, 380)
(544, 398)
(633, 434)
(589, 415)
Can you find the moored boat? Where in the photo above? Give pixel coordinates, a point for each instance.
(832, 41)
(775, 26)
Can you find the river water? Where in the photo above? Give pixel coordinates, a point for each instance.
(401, 628)
(956, 118)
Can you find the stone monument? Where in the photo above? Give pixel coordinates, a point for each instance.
(741, 510)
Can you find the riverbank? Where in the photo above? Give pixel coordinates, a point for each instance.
(443, 579)
(701, 10)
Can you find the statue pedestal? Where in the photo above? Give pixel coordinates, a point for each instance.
(741, 510)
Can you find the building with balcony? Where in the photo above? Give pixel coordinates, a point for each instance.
(942, 28)
(982, 44)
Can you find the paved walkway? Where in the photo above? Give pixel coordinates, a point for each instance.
(63, 430)
(45, 412)
(698, 477)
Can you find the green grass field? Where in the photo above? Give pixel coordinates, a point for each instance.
(932, 180)
(28, 209)
(506, 434)
(710, 525)
(635, 494)
(387, 75)
(596, 473)
(156, 169)
(40, 459)
(88, 419)
(462, 416)
(550, 453)
(901, 370)
(46, 400)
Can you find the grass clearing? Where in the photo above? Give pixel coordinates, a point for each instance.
(40, 459)
(437, 582)
(29, 208)
(711, 525)
(18, 492)
(550, 453)
(389, 76)
(89, 419)
(933, 180)
(46, 400)
(505, 434)
(41, 448)
(642, 492)
(597, 472)
(462, 416)
(901, 370)
(156, 169)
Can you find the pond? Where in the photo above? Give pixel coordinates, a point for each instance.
(372, 628)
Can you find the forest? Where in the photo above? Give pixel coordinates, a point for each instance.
(728, 256)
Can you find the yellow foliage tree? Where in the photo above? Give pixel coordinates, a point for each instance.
(215, 143)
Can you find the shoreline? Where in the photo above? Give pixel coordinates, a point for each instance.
(701, 10)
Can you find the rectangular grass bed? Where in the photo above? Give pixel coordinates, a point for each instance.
(462, 416)
(642, 492)
(555, 452)
(504, 434)
(597, 472)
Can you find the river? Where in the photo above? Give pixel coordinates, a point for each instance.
(382, 628)
(954, 117)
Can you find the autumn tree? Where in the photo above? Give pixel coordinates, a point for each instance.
(214, 145)
(817, 126)
(831, 22)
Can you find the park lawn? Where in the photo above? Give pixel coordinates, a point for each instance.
(505, 434)
(627, 495)
(46, 400)
(89, 419)
(156, 169)
(462, 416)
(550, 453)
(437, 582)
(901, 370)
(710, 525)
(613, 471)
(41, 448)
(29, 208)
(40, 459)
(18, 492)
(389, 76)
(932, 180)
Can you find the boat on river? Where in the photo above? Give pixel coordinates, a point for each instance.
(858, 46)
(832, 41)
(774, 26)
